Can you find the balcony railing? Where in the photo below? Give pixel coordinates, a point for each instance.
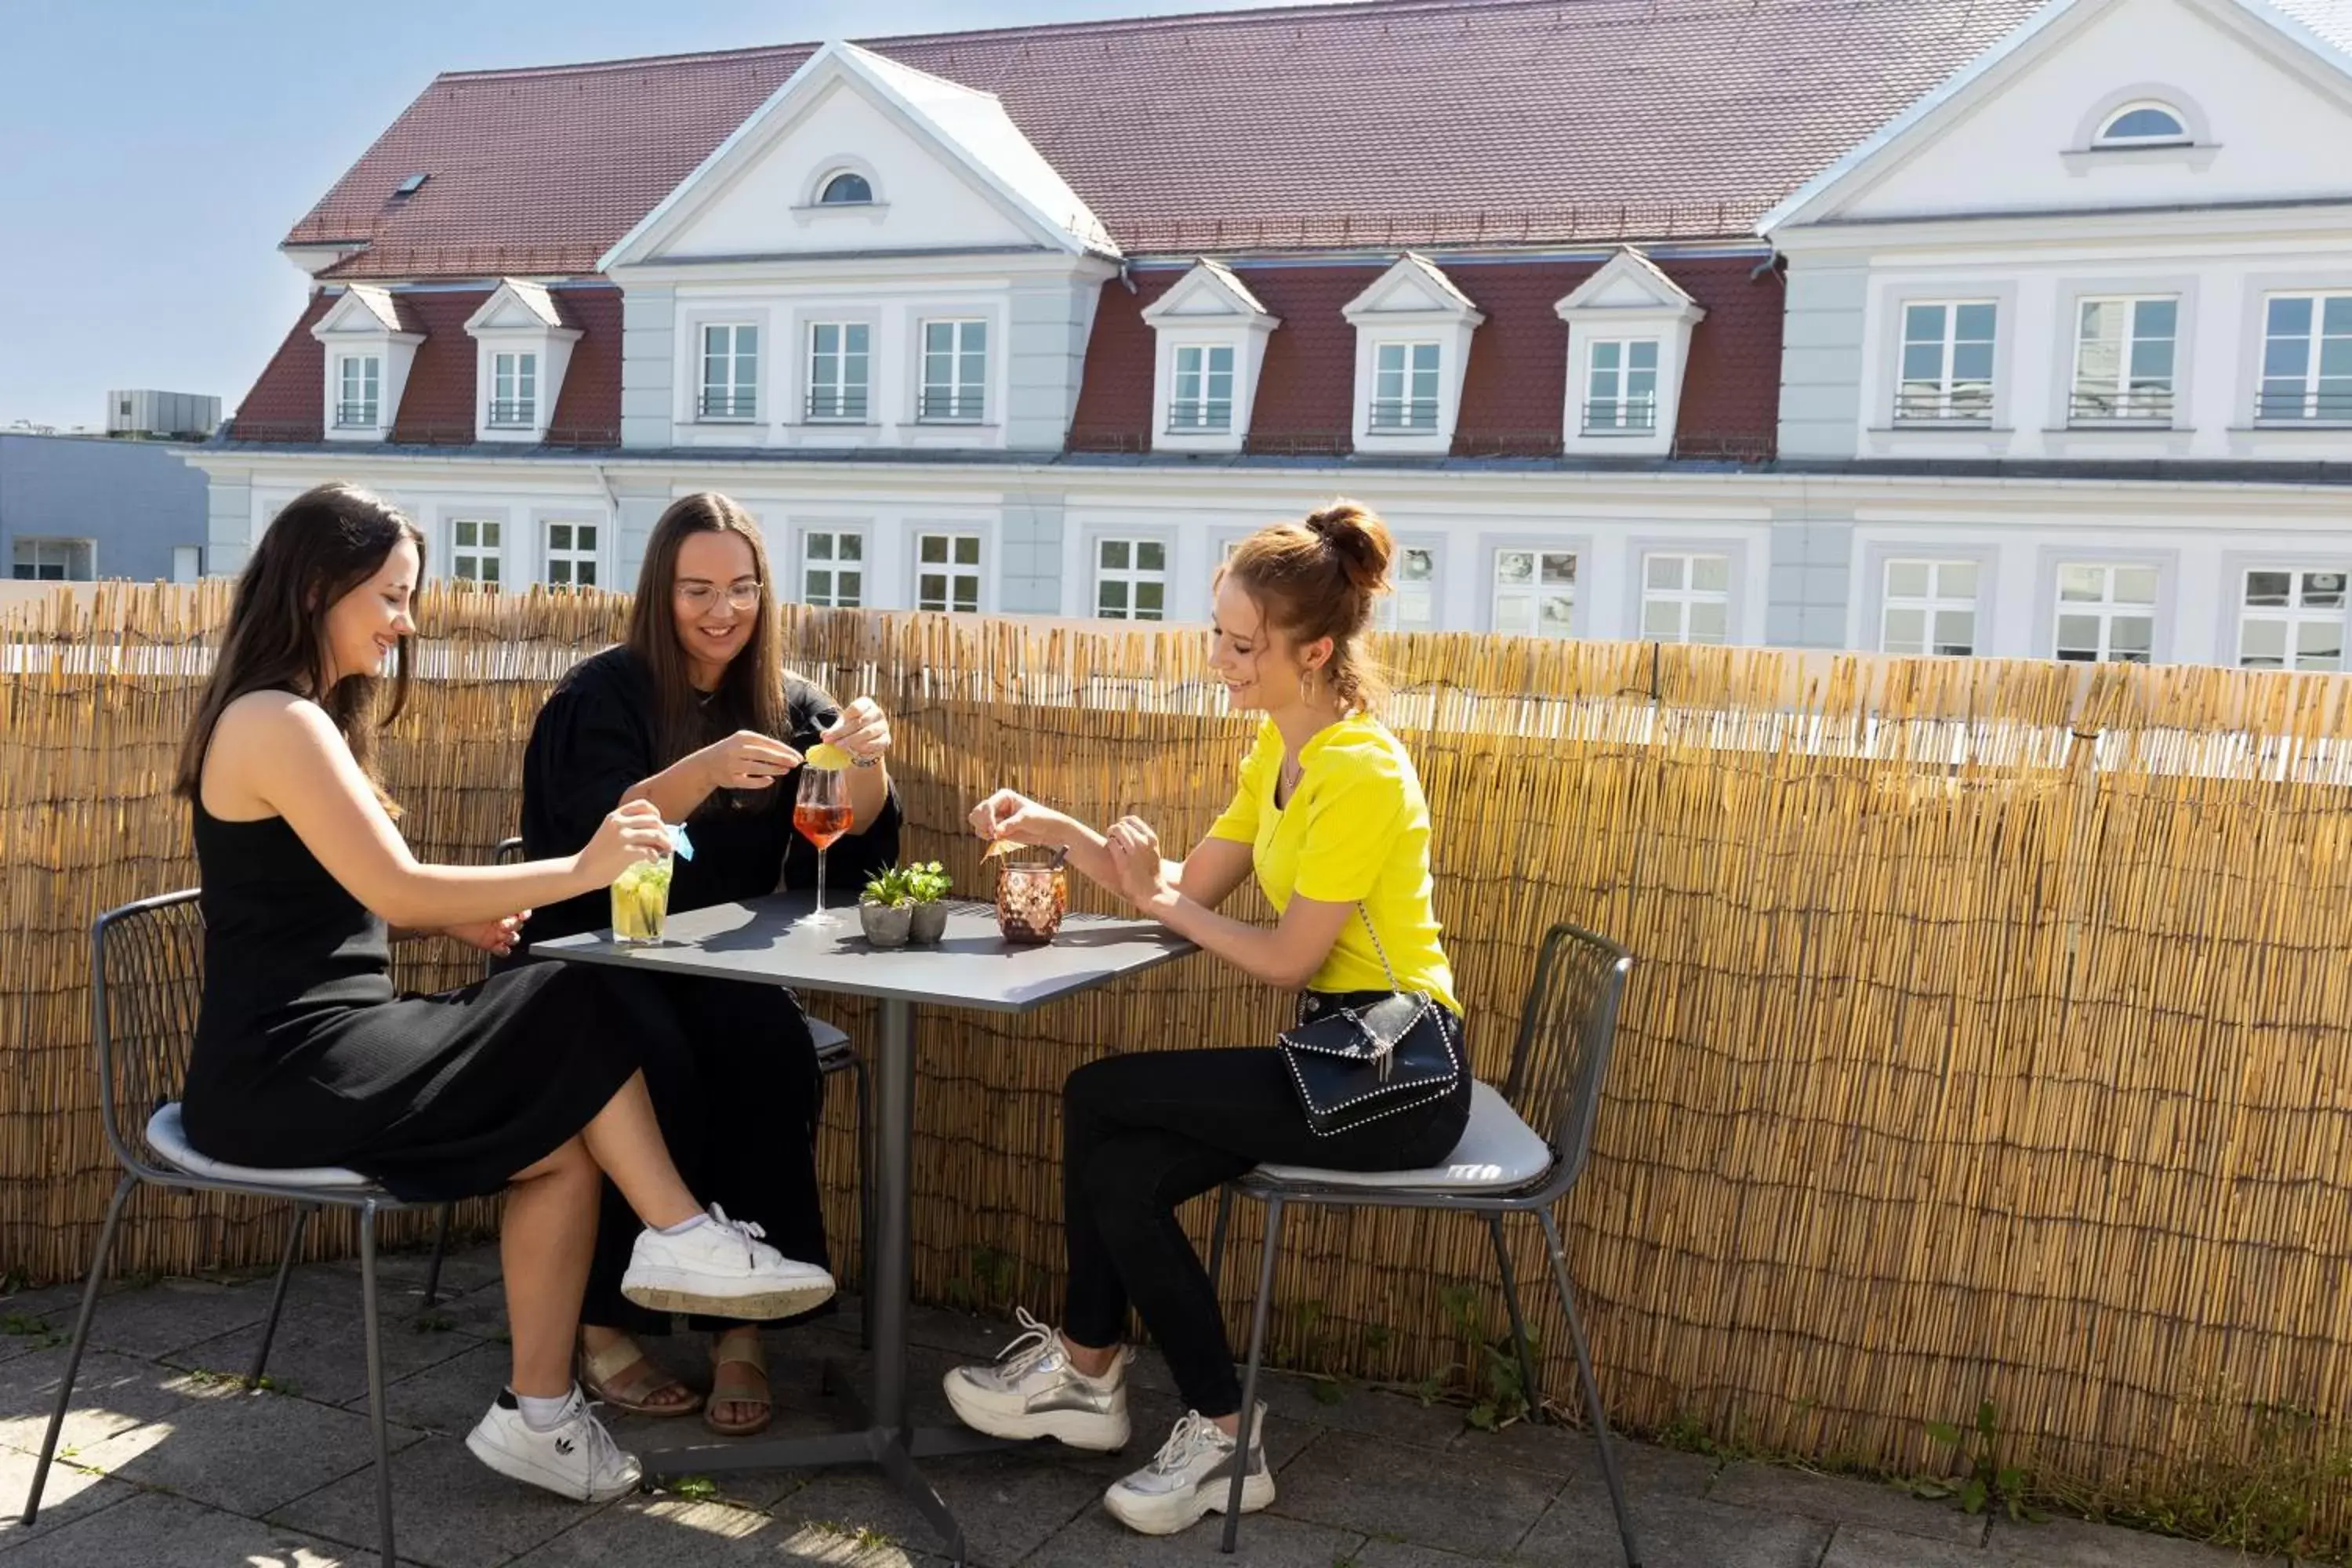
(1969, 403)
(357, 415)
(2325, 405)
(2138, 406)
(837, 405)
(1622, 417)
(517, 413)
(948, 405)
(1202, 419)
(1403, 415)
(718, 403)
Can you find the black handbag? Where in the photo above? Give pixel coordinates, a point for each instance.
(1358, 1062)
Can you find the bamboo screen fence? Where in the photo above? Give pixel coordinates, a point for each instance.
(1990, 1036)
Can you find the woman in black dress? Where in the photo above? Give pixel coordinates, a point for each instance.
(696, 713)
(528, 1083)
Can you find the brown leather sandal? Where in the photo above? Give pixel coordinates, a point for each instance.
(623, 1376)
(736, 1350)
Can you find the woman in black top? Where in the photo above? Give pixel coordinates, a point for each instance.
(527, 1083)
(696, 713)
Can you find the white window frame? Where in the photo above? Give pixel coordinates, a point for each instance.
(477, 541)
(1129, 575)
(1939, 600)
(43, 546)
(1205, 413)
(1952, 399)
(962, 401)
(2294, 615)
(1624, 403)
(580, 560)
(2106, 137)
(734, 397)
(1426, 590)
(514, 389)
(2127, 396)
(1536, 592)
(2315, 402)
(369, 400)
(950, 570)
(1418, 362)
(829, 561)
(1683, 596)
(2107, 610)
(832, 399)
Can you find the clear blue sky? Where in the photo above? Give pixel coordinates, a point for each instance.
(153, 154)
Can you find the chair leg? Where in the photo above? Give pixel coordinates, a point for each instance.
(1591, 1390)
(1529, 1384)
(1249, 1375)
(371, 1319)
(80, 1343)
(278, 1294)
(440, 1250)
(865, 1203)
(1217, 1237)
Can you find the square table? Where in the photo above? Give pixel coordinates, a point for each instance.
(763, 942)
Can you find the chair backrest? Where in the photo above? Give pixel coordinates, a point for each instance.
(1566, 1032)
(146, 980)
(507, 853)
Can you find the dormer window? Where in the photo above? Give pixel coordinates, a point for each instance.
(369, 343)
(360, 403)
(1404, 387)
(1412, 345)
(1210, 332)
(1629, 331)
(2142, 125)
(846, 189)
(522, 349)
(514, 391)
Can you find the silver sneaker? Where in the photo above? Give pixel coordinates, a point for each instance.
(1192, 1475)
(1033, 1391)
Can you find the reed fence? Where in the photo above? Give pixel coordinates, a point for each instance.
(1990, 1037)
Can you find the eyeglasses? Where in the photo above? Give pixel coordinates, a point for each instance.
(743, 595)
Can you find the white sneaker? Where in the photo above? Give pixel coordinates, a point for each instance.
(1192, 1475)
(1033, 1391)
(721, 1268)
(576, 1458)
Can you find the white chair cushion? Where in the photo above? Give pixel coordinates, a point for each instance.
(826, 1039)
(169, 1139)
(1497, 1151)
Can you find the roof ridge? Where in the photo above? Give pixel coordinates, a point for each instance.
(1098, 27)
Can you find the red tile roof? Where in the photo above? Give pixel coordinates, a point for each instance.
(1379, 125)
(1513, 390)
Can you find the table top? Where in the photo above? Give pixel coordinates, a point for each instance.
(973, 966)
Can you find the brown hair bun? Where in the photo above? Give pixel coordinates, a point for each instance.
(1359, 539)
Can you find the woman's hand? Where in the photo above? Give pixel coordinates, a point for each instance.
(1142, 874)
(496, 937)
(863, 729)
(746, 760)
(627, 836)
(1012, 815)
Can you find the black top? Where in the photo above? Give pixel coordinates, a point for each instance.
(598, 734)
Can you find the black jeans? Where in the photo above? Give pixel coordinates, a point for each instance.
(1142, 1133)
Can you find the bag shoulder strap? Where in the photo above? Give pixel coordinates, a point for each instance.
(1373, 931)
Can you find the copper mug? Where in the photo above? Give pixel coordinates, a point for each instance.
(1031, 900)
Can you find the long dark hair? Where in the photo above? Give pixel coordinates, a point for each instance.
(751, 694)
(324, 543)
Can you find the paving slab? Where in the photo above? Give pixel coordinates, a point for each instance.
(668, 1532)
(69, 1494)
(449, 1510)
(1378, 1552)
(1860, 1546)
(1095, 1539)
(248, 1453)
(155, 1319)
(1008, 1504)
(467, 1268)
(2077, 1544)
(111, 1393)
(1673, 1533)
(1349, 1481)
(1570, 1454)
(165, 1532)
(1836, 1500)
(320, 1350)
(446, 1397)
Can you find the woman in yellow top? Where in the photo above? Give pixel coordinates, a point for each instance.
(1328, 816)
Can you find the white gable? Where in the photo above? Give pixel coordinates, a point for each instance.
(2268, 102)
(1629, 280)
(1415, 286)
(948, 169)
(517, 306)
(1210, 292)
(365, 309)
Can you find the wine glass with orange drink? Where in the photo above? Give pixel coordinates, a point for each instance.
(821, 812)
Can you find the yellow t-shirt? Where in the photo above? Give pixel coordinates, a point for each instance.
(1356, 830)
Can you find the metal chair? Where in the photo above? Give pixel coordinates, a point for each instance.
(834, 1053)
(1501, 1166)
(146, 978)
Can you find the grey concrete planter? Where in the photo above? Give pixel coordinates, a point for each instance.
(929, 924)
(886, 925)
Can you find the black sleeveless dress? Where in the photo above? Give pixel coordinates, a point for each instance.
(304, 1055)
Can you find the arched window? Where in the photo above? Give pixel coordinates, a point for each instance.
(2142, 125)
(846, 190)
